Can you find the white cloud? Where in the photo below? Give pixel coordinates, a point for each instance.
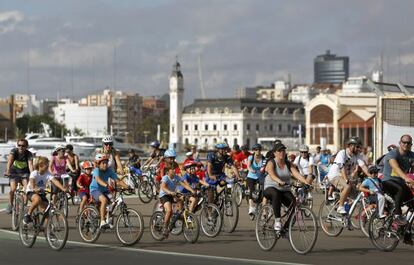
(9, 21)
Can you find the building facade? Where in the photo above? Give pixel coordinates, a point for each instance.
(239, 121)
(7, 118)
(329, 68)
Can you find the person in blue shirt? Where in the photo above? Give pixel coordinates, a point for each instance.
(215, 168)
(100, 184)
(169, 184)
(254, 163)
(373, 186)
(191, 179)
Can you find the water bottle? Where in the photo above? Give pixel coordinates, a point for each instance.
(347, 207)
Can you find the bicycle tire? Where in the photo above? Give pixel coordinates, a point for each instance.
(145, 191)
(237, 193)
(88, 224)
(304, 219)
(265, 233)
(230, 215)
(379, 228)
(63, 204)
(17, 211)
(210, 220)
(57, 230)
(28, 232)
(124, 218)
(157, 225)
(328, 219)
(191, 229)
(364, 217)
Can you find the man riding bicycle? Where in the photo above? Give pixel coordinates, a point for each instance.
(344, 168)
(215, 168)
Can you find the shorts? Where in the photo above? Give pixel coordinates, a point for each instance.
(54, 188)
(18, 177)
(96, 193)
(84, 193)
(42, 196)
(339, 183)
(167, 198)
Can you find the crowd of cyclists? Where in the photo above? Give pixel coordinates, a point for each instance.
(270, 174)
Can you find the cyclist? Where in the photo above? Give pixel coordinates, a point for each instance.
(169, 184)
(344, 167)
(57, 167)
(216, 162)
(83, 183)
(373, 186)
(278, 180)
(114, 158)
(240, 160)
(156, 154)
(134, 163)
(254, 163)
(19, 166)
(100, 184)
(397, 164)
(305, 164)
(196, 155)
(72, 166)
(235, 150)
(37, 184)
(167, 162)
(189, 157)
(191, 179)
(380, 161)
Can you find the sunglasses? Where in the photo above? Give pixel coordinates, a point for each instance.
(108, 144)
(22, 145)
(407, 142)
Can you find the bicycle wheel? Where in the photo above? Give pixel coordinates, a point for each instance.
(211, 220)
(191, 228)
(330, 220)
(157, 226)
(145, 191)
(88, 224)
(265, 233)
(129, 226)
(355, 216)
(303, 230)
(28, 232)
(62, 204)
(237, 193)
(383, 233)
(230, 215)
(364, 217)
(57, 230)
(17, 211)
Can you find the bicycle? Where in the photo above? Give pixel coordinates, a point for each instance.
(62, 203)
(129, 223)
(298, 222)
(209, 214)
(333, 223)
(147, 187)
(18, 206)
(56, 228)
(240, 190)
(385, 233)
(228, 208)
(182, 221)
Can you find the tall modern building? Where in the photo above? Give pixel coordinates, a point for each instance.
(329, 68)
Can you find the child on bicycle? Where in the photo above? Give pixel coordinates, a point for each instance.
(168, 187)
(99, 185)
(191, 179)
(37, 185)
(83, 183)
(373, 186)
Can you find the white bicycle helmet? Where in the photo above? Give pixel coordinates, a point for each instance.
(108, 139)
(58, 148)
(303, 148)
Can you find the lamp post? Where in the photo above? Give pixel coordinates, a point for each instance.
(146, 133)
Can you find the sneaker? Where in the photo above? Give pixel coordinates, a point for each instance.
(251, 210)
(27, 219)
(331, 198)
(382, 216)
(189, 219)
(104, 225)
(278, 226)
(9, 209)
(310, 196)
(341, 210)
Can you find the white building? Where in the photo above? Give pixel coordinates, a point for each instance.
(176, 105)
(278, 91)
(91, 120)
(302, 93)
(28, 104)
(239, 121)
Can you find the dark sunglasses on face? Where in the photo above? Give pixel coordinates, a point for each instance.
(108, 144)
(407, 142)
(22, 145)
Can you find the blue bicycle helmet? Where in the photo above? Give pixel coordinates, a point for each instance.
(155, 144)
(170, 153)
(257, 147)
(221, 146)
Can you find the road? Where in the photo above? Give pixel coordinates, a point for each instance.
(240, 247)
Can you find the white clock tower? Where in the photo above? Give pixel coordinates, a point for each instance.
(176, 105)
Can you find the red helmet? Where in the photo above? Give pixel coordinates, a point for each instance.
(86, 164)
(190, 164)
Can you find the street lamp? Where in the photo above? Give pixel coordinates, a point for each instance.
(146, 133)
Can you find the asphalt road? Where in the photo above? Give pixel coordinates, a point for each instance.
(239, 247)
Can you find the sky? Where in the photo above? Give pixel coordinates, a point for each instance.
(62, 48)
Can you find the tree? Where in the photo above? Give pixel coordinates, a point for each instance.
(33, 123)
(150, 123)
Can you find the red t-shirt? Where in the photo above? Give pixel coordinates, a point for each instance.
(85, 181)
(200, 174)
(241, 160)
